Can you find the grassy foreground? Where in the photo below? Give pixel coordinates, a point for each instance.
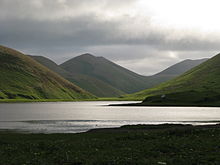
(141, 144)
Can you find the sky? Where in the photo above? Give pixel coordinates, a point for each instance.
(145, 36)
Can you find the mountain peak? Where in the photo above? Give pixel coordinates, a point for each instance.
(86, 55)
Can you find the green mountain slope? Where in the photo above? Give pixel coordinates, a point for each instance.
(22, 77)
(91, 84)
(181, 67)
(106, 71)
(198, 86)
(172, 72)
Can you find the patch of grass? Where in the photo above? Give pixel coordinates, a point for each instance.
(164, 144)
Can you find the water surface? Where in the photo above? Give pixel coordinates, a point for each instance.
(72, 117)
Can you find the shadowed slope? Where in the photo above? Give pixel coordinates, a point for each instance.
(91, 84)
(106, 71)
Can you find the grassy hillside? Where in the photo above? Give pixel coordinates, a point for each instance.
(198, 86)
(181, 67)
(173, 71)
(106, 71)
(21, 77)
(90, 84)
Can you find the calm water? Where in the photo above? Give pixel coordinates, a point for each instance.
(71, 117)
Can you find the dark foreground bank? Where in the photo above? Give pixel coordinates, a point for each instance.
(141, 144)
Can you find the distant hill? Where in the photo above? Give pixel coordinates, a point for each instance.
(91, 84)
(106, 71)
(181, 67)
(173, 71)
(198, 86)
(21, 77)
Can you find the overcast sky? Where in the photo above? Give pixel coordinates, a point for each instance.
(145, 36)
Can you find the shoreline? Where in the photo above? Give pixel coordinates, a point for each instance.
(120, 128)
(11, 101)
(63, 100)
(164, 105)
(46, 130)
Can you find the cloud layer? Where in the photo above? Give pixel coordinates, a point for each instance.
(118, 30)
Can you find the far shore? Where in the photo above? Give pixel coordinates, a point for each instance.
(65, 100)
(112, 99)
(168, 105)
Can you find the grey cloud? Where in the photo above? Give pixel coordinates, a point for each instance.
(28, 26)
(90, 31)
(78, 31)
(61, 29)
(57, 9)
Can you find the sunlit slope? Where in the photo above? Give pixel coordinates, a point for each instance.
(21, 77)
(173, 72)
(90, 84)
(198, 86)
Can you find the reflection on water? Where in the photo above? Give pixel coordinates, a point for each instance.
(72, 117)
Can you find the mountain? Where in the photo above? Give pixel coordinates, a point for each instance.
(198, 86)
(23, 77)
(181, 67)
(106, 71)
(91, 84)
(104, 78)
(173, 71)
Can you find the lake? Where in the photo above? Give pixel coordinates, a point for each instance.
(73, 117)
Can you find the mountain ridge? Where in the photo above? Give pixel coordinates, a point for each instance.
(102, 87)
